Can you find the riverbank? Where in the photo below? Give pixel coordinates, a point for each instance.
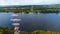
(44, 32)
(32, 8)
(27, 11)
(6, 30)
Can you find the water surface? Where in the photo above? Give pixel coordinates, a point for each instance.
(33, 21)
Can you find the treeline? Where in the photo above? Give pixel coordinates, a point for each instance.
(32, 8)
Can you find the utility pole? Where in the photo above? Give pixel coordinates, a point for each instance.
(15, 22)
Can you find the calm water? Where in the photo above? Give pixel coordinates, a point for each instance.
(33, 21)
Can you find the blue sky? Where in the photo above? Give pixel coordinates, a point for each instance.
(28, 2)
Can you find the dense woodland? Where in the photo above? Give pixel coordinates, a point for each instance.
(32, 8)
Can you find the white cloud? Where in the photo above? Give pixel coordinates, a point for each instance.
(49, 2)
(28, 2)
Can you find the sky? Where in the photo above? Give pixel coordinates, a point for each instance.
(28, 2)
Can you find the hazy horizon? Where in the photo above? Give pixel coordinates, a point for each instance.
(28, 2)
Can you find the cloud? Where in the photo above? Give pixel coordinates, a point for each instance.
(28, 2)
(49, 2)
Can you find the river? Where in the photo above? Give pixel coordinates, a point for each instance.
(33, 21)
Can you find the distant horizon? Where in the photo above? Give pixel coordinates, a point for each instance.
(27, 5)
(28, 2)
